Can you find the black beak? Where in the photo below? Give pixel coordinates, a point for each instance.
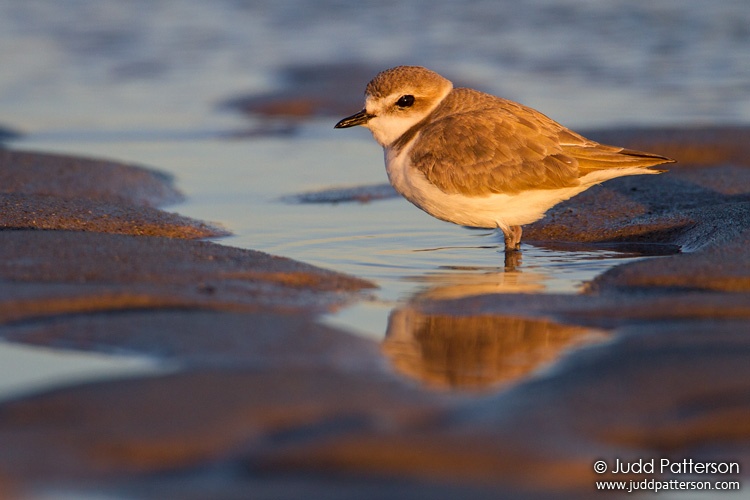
(359, 119)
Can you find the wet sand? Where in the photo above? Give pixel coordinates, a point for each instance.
(267, 402)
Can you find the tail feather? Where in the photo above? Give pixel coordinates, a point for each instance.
(592, 157)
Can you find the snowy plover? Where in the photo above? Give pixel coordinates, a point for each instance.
(478, 160)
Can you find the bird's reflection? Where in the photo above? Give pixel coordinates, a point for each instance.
(475, 352)
(453, 349)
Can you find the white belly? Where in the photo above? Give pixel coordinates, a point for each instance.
(488, 211)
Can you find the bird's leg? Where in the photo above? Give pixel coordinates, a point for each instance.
(512, 239)
(512, 247)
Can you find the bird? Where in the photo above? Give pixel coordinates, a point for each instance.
(478, 160)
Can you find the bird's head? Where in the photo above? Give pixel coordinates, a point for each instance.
(396, 100)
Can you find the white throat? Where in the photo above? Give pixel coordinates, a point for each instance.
(387, 127)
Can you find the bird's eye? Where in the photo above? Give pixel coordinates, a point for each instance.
(405, 101)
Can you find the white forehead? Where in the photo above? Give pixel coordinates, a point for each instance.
(373, 103)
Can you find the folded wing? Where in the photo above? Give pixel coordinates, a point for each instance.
(476, 144)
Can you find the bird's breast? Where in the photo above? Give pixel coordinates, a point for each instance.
(400, 172)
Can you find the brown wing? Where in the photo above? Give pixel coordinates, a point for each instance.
(478, 144)
(595, 156)
(503, 147)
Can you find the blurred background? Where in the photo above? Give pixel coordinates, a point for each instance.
(155, 65)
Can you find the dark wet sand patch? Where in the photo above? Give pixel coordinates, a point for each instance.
(307, 91)
(356, 194)
(690, 206)
(329, 89)
(69, 177)
(723, 267)
(265, 339)
(191, 417)
(42, 191)
(28, 211)
(103, 271)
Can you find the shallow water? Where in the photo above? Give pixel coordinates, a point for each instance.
(27, 368)
(141, 82)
